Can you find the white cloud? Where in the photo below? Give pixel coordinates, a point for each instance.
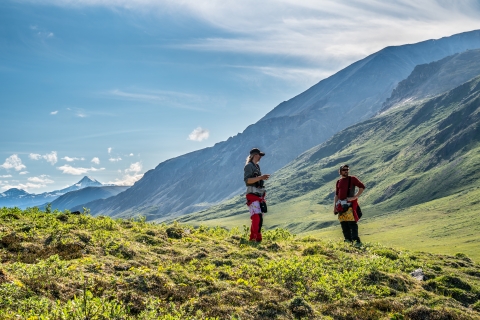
(33, 183)
(67, 169)
(6, 176)
(42, 179)
(13, 162)
(134, 167)
(95, 160)
(199, 134)
(109, 150)
(115, 159)
(68, 159)
(54, 112)
(127, 180)
(50, 157)
(131, 154)
(132, 175)
(23, 172)
(24, 186)
(35, 156)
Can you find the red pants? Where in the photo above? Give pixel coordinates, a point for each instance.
(256, 228)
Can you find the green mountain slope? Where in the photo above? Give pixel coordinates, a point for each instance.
(63, 266)
(406, 157)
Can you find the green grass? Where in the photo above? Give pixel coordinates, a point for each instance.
(436, 226)
(63, 266)
(447, 225)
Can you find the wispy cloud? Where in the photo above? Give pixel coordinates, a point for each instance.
(326, 34)
(199, 134)
(23, 172)
(42, 179)
(115, 159)
(163, 98)
(13, 162)
(67, 169)
(6, 176)
(54, 112)
(96, 160)
(109, 150)
(69, 159)
(35, 156)
(41, 32)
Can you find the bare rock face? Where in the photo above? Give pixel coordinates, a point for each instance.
(428, 80)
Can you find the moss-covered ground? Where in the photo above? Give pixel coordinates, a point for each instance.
(64, 266)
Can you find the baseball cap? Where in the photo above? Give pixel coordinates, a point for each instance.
(257, 151)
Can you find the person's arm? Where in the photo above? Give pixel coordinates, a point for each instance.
(256, 179)
(355, 197)
(249, 173)
(335, 204)
(360, 186)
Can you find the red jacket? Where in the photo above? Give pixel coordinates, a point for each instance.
(253, 197)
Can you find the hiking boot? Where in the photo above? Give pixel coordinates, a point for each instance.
(358, 244)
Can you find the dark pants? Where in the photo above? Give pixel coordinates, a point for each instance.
(350, 230)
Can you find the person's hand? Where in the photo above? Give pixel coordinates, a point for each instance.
(335, 211)
(265, 177)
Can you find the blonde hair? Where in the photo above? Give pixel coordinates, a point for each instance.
(249, 158)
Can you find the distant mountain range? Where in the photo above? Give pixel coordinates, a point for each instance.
(425, 146)
(74, 200)
(19, 198)
(198, 180)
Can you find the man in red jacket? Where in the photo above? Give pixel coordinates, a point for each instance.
(346, 205)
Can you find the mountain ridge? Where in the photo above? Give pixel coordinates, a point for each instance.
(205, 177)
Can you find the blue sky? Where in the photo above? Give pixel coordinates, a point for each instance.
(111, 88)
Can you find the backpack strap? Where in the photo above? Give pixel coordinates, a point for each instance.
(349, 193)
(348, 188)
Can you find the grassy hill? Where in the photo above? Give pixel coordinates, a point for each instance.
(407, 157)
(63, 266)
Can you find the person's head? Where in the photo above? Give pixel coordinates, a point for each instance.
(343, 171)
(255, 155)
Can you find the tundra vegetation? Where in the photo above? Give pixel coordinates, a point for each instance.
(58, 265)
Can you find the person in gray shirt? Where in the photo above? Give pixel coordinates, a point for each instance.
(254, 180)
